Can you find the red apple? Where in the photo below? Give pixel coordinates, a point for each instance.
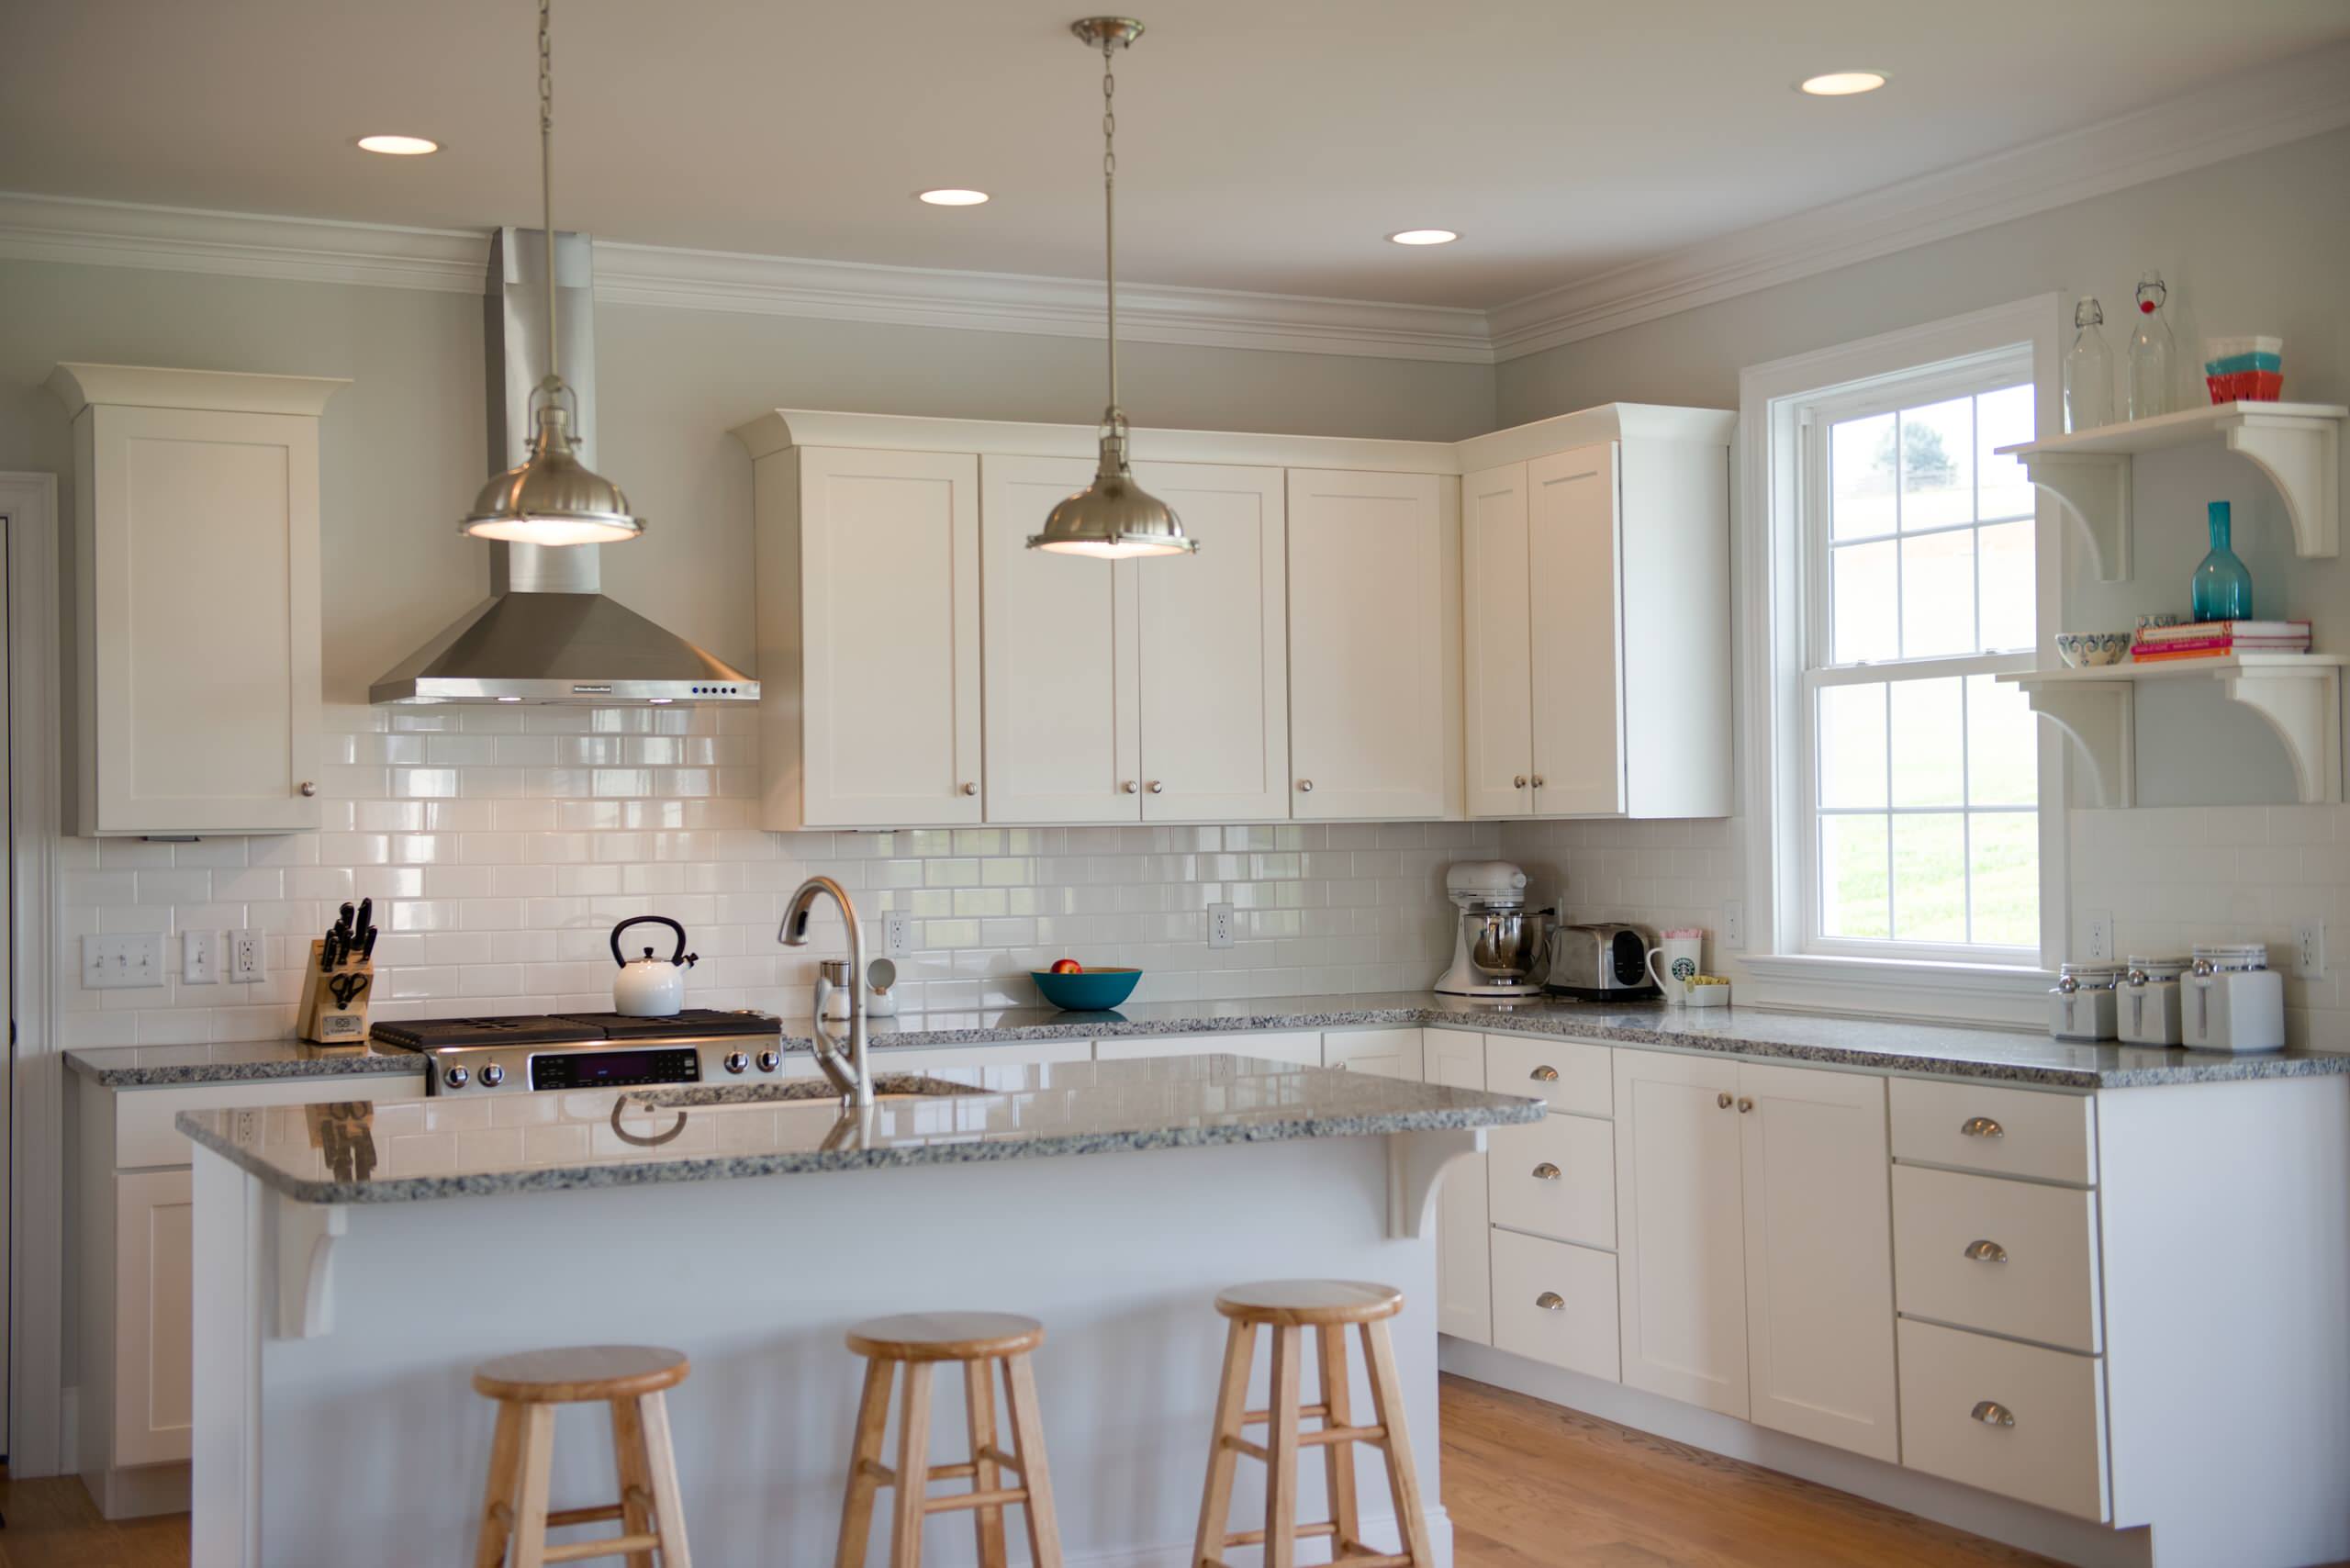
(1067, 967)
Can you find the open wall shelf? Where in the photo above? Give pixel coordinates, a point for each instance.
(2298, 446)
(2299, 694)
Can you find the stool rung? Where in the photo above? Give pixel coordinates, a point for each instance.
(1264, 1418)
(1329, 1435)
(995, 1499)
(880, 1472)
(953, 1472)
(1257, 1537)
(562, 1516)
(618, 1545)
(1254, 1450)
(1368, 1562)
(1003, 1461)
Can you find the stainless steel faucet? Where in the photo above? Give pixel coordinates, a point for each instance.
(853, 1080)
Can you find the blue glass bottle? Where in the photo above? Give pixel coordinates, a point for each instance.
(2222, 589)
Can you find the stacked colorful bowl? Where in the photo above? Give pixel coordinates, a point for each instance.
(2244, 369)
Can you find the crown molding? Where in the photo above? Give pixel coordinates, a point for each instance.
(2284, 103)
(240, 244)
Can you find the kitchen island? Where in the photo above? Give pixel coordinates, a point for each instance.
(355, 1263)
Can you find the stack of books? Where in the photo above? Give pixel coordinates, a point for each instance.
(2219, 640)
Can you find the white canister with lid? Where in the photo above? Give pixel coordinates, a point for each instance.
(2146, 1005)
(2081, 1007)
(2232, 1001)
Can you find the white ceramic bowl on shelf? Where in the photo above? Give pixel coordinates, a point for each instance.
(2089, 650)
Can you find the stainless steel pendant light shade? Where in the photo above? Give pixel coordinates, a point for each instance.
(551, 498)
(1113, 517)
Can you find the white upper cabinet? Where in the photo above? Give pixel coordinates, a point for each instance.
(1372, 672)
(196, 628)
(868, 598)
(1215, 658)
(1578, 670)
(1498, 659)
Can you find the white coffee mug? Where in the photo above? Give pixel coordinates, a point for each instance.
(1683, 958)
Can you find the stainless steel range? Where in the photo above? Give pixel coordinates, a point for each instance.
(588, 1051)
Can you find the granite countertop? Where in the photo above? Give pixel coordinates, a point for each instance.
(232, 1061)
(450, 1148)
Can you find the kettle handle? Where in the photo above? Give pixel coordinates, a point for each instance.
(678, 957)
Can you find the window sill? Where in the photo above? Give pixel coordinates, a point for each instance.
(1990, 996)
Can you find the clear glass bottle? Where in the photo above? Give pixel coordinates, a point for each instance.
(2088, 371)
(2149, 352)
(2223, 588)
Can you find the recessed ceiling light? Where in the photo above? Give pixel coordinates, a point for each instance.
(953, 199)
(1424, 237)
(1842, 84)
(399, 146)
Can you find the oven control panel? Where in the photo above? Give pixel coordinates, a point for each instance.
(610, 1068)
(518, 1070)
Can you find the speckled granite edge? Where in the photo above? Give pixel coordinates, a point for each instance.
(88, 1065)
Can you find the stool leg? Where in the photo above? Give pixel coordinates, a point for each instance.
(1387, 1403)
(1231, 1404)
(978, 1400)
(863, 1459)
(668, 1498)
(1280, 1447)
(635, 1476)
(1338, 1459)
(1028, 1448)
(498, 1493)
(530, 1507)
(906, 1512)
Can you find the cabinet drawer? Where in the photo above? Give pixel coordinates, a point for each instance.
(2005, 1132)
(1303, 1046)
(2038, 1282)
(1555, 1302)
(144, 1134)
(2053, 1455)
(1517, 1065)
(1556, 1177)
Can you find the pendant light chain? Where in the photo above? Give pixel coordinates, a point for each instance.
(1115, 416)
(546, 177)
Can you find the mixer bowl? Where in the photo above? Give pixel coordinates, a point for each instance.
(1507, 946)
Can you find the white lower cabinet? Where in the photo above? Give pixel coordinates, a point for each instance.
(1681, 1224)
(2016, 1420)
(1555, 1178)
(2012, 1258)
(154, 1273)
(1388, 1053)
(1464, 1300)
(1555, 1302)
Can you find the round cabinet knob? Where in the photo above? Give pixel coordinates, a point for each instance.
(1551, 1301)
(1519, 782)
(769, 1060)
(1537, 781)
(736, 1061)
(1745, 1105)
(1305, 786)
(456, 1078)
(1159, 786)
(1546, 1171)
(309, 787)
(1544, 1075)
(1131, 787)
(969, 788)
(1723, 1101)
(492, 1076)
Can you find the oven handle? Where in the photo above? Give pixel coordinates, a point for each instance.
(640, 1140)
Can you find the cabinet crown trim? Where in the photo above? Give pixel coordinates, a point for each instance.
(78, 385)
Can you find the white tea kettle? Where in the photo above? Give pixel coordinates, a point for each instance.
(650, 987)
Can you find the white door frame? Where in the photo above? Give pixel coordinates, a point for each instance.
(33, 1312)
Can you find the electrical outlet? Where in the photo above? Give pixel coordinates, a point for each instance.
(898, 933)
(1219, 925)
(2100, 926)
(2309, 950)
(1733, 925)
(198, 962)
(247, 957)
(112, 962)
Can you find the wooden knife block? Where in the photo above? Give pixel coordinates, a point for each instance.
(323, 1019)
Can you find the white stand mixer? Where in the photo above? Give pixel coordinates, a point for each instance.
(1499, 947)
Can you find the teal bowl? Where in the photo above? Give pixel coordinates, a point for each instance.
(1089, 990)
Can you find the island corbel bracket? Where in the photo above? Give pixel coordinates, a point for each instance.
(2100, 718)
(2302, 457)
(2304, 707)
(1415, 1162)
(307, 1234)
(2092, 487)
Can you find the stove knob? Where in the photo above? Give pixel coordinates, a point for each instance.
(736, 1061)
(769, 1060)
(456, 1076)
(492, 1076)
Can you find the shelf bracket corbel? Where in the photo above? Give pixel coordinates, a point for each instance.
(2302, 458)
(2093, 488)
(2304, 707)
(307, 1234)
(2100, 718)
(1415, 1162)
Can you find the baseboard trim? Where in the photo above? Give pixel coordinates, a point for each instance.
(135, 1492)
(1945, 1502)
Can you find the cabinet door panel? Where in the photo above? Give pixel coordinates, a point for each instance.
(1555, 1178)
(1063, 718)
(890, 574)
(1555, 1302)
(1214, 669)
(155, 1316)
(1819, 1257)
(1464, 1296)
(1577, 639)
(1366, 646)
(1679, 1228)
(1385, 1053)
(1496, 634)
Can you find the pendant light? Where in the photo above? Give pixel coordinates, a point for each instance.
(551, 498)
(1113, 517)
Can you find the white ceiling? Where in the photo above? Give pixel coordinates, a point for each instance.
(1264, 146)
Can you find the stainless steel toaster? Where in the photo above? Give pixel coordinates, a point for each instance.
(1600, 962)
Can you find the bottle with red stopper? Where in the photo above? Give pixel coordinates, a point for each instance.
(2149, 352)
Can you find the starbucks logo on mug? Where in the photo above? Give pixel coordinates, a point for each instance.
(1682, 968)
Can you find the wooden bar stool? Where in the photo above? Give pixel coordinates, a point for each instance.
(1289, 1307)
(918, 1341)
(528, 1386)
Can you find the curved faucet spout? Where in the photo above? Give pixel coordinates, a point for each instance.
(849, 1066)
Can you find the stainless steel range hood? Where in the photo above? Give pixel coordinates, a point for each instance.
(546, 635)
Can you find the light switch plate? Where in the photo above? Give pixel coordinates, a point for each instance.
(199, 958)
(115, 962)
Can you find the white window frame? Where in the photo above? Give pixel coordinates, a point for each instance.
(1787, 963)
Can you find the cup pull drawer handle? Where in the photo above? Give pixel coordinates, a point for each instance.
(1981, 1126)
(1986, 1253)
(1546, 1171)
(1544, 1075)
(1991, 1413)
(1551, 1301)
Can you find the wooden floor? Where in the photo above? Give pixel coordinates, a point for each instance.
(1528, 1485)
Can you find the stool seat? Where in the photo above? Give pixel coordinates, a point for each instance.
(574, 1374)
(946, 1336)
(1309, 1304)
